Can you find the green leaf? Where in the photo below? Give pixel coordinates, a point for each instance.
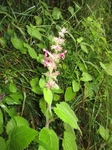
(69, 142)
(107, 68)
(86, 77)
(41, 45)
(2, 144)
(71, 10)
(58, 91)
(56, 97)
(38, 20)
(7, 110)
(31, 51)
(104, 132)
(12, 87)
(1, 122)
(56, 13)
(20, 138)
(69, 94)
(65, 113)
(18, 44)
(102, 65)
(75, 86)
(49, 137)
(10, 101)
(13, 99)
(16, 121)
(82, 66)
(42, 82)
(34, 32)
(3, 42)
(40, 57)
(45, 5)
(79, 40)
(89, 88)
(48, 95)
(77, 7)
(84, 48)
(35, 86)
(42, 105)
(43, 147)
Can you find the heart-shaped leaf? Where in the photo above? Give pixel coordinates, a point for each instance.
(86, 77)
(69, 94)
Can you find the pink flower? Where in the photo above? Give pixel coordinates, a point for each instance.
(63, 54)
(51, 57)
(58, 40)
(52, 74)
(56, 47)
(62, 32)
(50, 64)
(51, 84)
(56, 57)
(47, 53)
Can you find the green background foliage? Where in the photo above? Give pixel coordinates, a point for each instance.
(30, 114)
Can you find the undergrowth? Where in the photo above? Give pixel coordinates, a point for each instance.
(85, 83)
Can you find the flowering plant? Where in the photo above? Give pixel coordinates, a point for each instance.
(51, 60)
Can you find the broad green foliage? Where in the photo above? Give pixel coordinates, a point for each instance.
(16, 121)
(38, 20)
(42, 82)
(69, 138)
(14, 98)
(49, 137)
(42, 105)
(64, 112)
(12, 88)
(34, 32)
(103, 132)
(69, 94)
(56, 14)
(20, 138)
(31, 51)
(18, 44)
(76, 86)
(48, 95)
(107, 68)
(86, 77)
(35, 85)
(71, 10)
(56, 97)
(3, 42)
(5, 108)
(2, 144)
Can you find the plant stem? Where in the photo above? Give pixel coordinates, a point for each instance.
(48, 112)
